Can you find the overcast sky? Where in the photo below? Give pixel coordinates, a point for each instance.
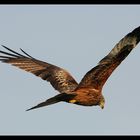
(74, 37)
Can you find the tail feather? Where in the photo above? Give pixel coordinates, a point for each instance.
(53, 100)
(46, 103)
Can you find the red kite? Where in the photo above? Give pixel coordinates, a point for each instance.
(89, 91)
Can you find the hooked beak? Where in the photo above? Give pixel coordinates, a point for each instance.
(101, 105)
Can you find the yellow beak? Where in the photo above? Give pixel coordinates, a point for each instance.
(101, 105)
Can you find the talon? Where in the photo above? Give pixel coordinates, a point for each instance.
(72, 101)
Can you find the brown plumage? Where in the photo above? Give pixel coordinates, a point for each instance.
(89, 91)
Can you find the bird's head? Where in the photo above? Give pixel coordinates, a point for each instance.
(102, 102)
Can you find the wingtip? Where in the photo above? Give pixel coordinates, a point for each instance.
(3, 46)
(20, 49)
(26, 53)
(136, 32)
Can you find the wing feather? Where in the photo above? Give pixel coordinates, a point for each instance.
(59, 78)
(98, 75)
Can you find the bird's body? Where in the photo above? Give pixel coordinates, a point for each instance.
(87, 97)
(89, 91)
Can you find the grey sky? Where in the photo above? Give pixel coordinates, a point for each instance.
(75, 38)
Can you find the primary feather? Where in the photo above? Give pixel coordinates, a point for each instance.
(59, 78)
(89, 91)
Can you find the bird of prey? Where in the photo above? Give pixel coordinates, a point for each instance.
(89, 91)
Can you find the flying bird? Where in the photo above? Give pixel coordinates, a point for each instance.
(89, 91)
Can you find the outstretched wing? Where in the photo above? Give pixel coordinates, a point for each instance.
(98, 75)
(59, 78)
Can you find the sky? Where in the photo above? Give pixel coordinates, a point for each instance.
(76, 38)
